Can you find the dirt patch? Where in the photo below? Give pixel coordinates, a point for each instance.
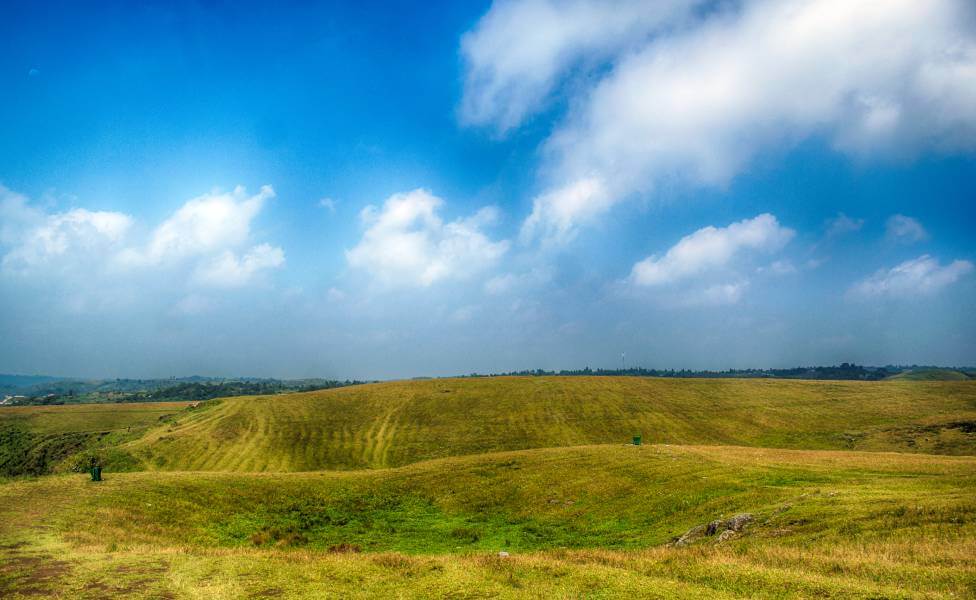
(32, 575)
(98, 586)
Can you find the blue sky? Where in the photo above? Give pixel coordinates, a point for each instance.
(427, 189)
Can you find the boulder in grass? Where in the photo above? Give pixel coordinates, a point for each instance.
(738, 522)
(714, 527)
(692, 535)
(726, 530)
(725, 536)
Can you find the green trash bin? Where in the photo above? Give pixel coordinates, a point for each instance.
(637, 440)
(96, 473)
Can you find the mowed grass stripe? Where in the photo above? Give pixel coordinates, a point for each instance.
(398, 423)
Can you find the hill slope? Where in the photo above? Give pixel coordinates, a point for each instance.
(825, 524)
(36, 439)
(931, 375)
(398, 423)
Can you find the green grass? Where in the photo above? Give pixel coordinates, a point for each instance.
(35, 440)
(410, 489)
(87, 418)
(393, 424)
(865, 524)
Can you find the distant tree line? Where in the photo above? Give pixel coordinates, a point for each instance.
(844, 371)
(195, 390)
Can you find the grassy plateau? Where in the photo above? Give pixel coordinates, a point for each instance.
(411, 489)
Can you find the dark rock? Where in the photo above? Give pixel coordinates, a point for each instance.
(737, 522)
(714, 527)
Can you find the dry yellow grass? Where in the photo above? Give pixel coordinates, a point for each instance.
(397, 423)
(827, 524)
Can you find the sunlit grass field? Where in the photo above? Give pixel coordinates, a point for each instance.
(411, 489)
(397, 423)
(86, 418)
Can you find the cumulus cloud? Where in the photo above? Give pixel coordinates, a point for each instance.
(66, 236)
(407, 243)
(710, 248)
(203, 225)
(518, 50)
(922, 276)
(905, 229)
(696, 101)
(207, 236)
(557, 214)
(229, 270)
(842, 225)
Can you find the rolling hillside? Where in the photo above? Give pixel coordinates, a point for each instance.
(398, 423)
(412, 489)
(590, 521)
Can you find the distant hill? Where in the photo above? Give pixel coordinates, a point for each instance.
(42, 390)
(932, 374)
(18, 384)
(397, 423)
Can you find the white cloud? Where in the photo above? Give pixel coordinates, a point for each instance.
(98, 249)
(719, 294)
(557, 214)
(227, 270)
(711, 248)
(328, 203)
(697, 102)
(206, 224)
(518, 50)
(842, 224)
(35, 239)
(905, 229)
(920, 276)
(407, 243)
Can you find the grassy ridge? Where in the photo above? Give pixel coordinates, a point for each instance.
(932, 375)
(826, 524)
(35, 440)
(392, 424)
(86, 418)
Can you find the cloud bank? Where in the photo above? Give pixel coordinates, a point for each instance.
(206, 242)
(668, 97)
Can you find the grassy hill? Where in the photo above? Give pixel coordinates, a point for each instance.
(932, 375)
(37, 439)
(80, 418)
(410, 489)
(397, 423)
(591, 521)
